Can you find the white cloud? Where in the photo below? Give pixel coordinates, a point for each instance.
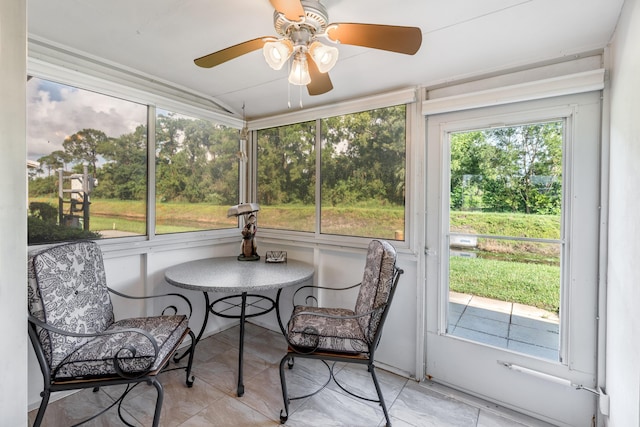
(57, 111)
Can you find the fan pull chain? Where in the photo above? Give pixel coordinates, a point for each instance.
(288, 86)
(300, 97)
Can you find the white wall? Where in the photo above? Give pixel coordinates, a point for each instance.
(13, 213)
(623, 295)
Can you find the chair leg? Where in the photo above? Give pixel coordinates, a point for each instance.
(159, 399)
(190, 378)
(283, 383)
(43, 407)
(372, 369)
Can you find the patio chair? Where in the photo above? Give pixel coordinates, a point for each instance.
(75, 338)
(345, 335)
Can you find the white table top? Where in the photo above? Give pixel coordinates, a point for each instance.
(230, 275)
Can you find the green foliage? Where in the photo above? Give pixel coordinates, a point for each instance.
(287, 164)
(510, 169)
(54, 161)
(196, 161)
(363, 159)
(44, 211)
(123, 176)
(85, 146)
(42, 226)
(44, 186)
(40, 232)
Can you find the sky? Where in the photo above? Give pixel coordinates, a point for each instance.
(56, 111)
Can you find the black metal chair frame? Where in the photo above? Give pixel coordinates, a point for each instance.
(367, 358)
(147, 376)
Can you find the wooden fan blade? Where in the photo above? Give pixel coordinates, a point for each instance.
(224, 55)
(291, 9)
(320, 82)
(393, 38)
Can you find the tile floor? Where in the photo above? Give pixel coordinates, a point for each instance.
(212, 400)
(503, 324)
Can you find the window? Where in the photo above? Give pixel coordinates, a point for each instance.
(505, 235)
(286, 177)
(86, 164)
(88, 177)
(196, 174)
(362, 174)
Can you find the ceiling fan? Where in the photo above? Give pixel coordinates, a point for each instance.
(300, 25)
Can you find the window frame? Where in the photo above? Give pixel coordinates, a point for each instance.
(317, 235)
(153, 101)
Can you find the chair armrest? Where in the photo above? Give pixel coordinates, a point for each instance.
(293, 298)
(172, 307)
(116, 358)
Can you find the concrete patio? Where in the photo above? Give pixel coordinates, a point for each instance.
(503, 324)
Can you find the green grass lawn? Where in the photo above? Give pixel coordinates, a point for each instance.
(531, 284)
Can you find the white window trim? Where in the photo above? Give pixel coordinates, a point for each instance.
(389, 99)
(586, 81)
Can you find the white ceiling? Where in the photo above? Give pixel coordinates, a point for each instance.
(461, 39)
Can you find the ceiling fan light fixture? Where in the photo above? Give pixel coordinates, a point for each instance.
(300, 25)
(299, 75)
(324, 56)
(277, 53)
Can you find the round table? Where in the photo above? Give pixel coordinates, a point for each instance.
(240, 279)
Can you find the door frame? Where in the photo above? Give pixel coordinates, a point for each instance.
(524, 383)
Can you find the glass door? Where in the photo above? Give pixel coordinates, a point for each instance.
(512, 251)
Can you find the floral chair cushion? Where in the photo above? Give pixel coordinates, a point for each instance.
(315, 331)
(68, 290)
(96, 357)
(326, 329)
(376, 285)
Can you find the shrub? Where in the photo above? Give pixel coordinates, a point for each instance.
(43, 228)
(44, 211)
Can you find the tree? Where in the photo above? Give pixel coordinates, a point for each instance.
(509, 169)
(471, 156)
(123, 176)
(55, 160)
(196, 160)
(286, 164)
(363, 156)
(85, 146)
(526, 154)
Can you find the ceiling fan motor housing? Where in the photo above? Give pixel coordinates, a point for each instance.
(314, 22)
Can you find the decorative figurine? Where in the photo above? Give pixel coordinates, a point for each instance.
(248, 247)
